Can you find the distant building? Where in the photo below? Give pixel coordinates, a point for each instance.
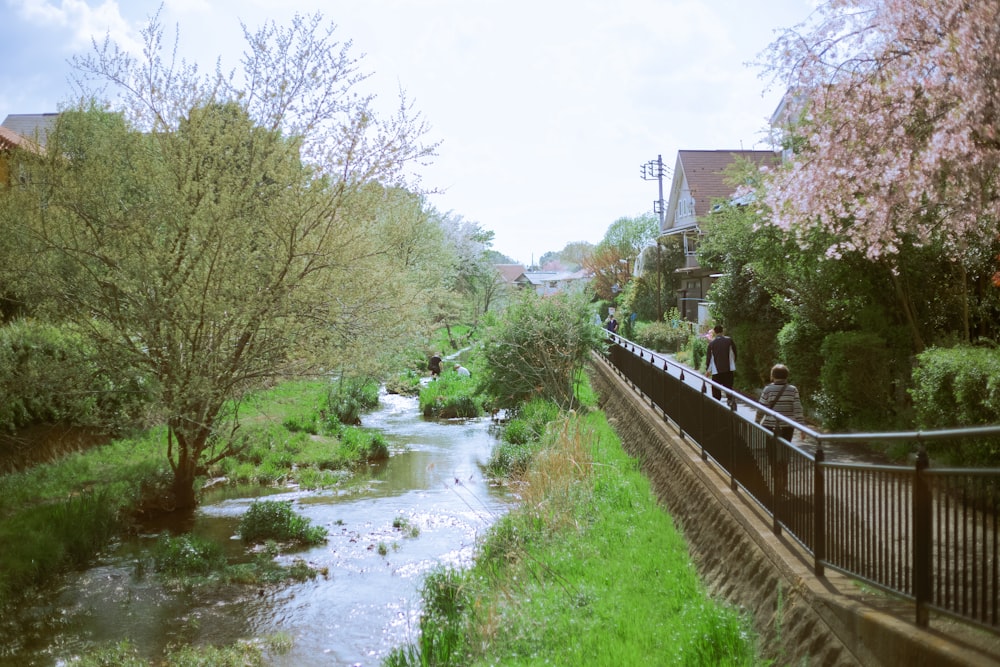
(546, 283)
(25, 131)
(510, 272)
(34, 127)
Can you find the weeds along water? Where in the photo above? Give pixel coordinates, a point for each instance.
(588, 569)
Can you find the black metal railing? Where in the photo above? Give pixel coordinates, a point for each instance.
(925, 533)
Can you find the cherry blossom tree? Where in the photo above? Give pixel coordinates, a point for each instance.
(895, 128)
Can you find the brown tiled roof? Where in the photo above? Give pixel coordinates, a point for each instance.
(704, 172)
(10, 139)
(510, 272)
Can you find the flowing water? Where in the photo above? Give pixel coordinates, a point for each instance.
(367, 603)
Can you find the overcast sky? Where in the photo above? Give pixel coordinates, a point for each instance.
(545, 109)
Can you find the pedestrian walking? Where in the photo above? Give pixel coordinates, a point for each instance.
(721, 362)
(783, 398)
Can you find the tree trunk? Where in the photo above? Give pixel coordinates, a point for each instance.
(907, 307)
(185, 471)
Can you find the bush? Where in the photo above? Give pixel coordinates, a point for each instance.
(347, 398)
(49, 375)
(856, 381)
(538, 348)
(450, 396)
(521, 438)
(358, 444)
(955, 387)
(187, 555)
(274, 520)
(663, 336)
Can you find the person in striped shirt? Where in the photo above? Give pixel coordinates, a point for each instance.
(783, 398)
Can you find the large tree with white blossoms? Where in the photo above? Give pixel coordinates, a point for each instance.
(895, 107)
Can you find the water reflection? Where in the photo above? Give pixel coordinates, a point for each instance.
(367, 603)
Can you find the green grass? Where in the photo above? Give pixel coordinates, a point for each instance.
(241, 654)
(451, 396)
(588, 569)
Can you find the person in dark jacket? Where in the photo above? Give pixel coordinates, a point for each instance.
(721, 361)
(612, 325)
(435, 365)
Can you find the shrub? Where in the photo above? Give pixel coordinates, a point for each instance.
(358, 444)
(274, 520)
(347, 398)
(663, 336)
(49, 374)
(856, 382)
(538, 348)
(451, 396)
(187, 555)
(955, 387)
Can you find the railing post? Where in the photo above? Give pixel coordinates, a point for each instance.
(776, 491)
(922, 537)
(819, 510)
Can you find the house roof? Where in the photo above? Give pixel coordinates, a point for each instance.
(704, 172)
(543, 277)
(34, 127)
(10, 139)
(510, 272)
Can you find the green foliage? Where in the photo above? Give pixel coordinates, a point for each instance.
(359, 444)
(800, 345)
(348, 398)
(698, 351)
(44, 539)
(670, 335)
(521, 438)
(187, 555)
(757, 353)
(126, 654)
(451, 396)
(537, 349)
(856, 380)
(956, 387)
(406, 383)
(50, 374)
(274, 520)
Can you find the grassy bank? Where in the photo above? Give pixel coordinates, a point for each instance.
(587, 570)
(57, 515)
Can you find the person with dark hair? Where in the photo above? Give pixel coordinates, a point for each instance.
(721, 362)
(612, 324)
(783, 398)
(435, 365)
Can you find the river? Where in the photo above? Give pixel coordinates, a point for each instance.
(367, 603)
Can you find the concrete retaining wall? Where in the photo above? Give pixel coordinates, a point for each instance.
(800, 618)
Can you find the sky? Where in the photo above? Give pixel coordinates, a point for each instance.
(545, 110)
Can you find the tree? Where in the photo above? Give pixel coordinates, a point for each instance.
(613, 260)
(215, 235)
(476, 277)
(896, 135)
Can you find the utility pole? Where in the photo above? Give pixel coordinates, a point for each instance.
(653, 170)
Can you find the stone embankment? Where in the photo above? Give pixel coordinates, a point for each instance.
(801, 619)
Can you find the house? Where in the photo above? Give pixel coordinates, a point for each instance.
(34, 127)
(28, 131)
(699, 182)
(509, 273)
(546, 283)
